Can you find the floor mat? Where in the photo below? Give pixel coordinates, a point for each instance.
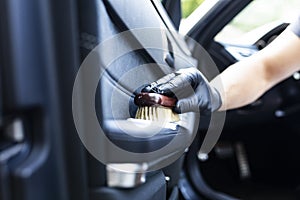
(223, 174)
(260, 192)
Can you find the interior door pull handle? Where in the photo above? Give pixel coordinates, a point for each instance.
(169, 60)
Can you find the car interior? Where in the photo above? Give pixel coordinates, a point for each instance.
(45, 44)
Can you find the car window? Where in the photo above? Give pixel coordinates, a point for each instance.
(258, 14)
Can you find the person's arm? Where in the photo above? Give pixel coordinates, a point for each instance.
(245, 81)
(239, 85)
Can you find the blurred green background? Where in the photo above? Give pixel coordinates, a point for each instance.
(188, 6)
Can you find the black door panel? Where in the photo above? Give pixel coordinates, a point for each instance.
(125, 74)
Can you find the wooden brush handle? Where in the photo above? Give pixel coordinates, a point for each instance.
(152, 99)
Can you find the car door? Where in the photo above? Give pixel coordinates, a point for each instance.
(124, 77)
(43, 48)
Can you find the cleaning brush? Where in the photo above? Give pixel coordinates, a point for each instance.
(155, 107)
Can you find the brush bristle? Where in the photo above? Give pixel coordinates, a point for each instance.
(157, 113)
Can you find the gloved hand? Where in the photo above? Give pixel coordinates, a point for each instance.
(192, 90)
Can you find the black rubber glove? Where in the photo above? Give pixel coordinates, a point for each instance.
(192, 90)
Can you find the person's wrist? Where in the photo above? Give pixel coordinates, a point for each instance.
(217, 102)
